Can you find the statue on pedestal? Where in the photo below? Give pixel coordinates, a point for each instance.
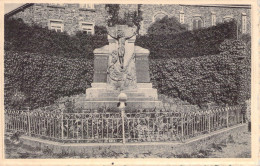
(121, 74)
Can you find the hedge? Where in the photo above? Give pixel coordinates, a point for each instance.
(50, 65)
(38, 80)
(35, 39)
(189, 43)
(222, 79)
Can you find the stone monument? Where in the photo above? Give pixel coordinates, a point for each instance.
(121, 67)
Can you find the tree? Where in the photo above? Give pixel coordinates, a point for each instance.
(132, 18)
(166, 26)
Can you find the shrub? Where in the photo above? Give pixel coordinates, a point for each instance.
(189, 43)
(100, 30)
(166, 26)
(222, 79)
(130, 18)
(43, 79)
(35, 39)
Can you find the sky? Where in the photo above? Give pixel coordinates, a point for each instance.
(10, 6)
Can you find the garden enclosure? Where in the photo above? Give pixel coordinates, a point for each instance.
(120, 127)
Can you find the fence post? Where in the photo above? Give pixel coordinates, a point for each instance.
(123, 124)
(227, 109)
(122, 97)
(242, 117)
(209, 120)
(62, 127)
(182, 126)
(29, 121)
(238, 117)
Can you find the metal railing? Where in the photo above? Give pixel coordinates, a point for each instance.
(154, 126)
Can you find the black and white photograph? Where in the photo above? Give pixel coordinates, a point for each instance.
(128, 80)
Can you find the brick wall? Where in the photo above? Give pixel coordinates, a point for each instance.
(72, 14)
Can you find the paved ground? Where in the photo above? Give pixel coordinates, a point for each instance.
(236, 146)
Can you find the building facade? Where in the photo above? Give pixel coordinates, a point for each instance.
(83, 17)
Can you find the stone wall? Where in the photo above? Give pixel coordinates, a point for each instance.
(72, 14)
(206, 12)
(150, 11)
(190, 12)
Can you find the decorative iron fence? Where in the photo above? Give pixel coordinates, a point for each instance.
(156, 126)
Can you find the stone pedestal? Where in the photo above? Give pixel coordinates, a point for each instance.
(100, 94)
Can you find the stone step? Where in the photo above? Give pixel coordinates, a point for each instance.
(113, 104)
(129, 94)
(128, 99)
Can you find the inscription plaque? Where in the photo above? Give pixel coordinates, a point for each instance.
(142, 68)
(100, 68)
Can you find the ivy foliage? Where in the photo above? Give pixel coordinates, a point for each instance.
(166, 40)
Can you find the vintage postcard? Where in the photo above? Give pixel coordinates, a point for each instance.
(129, 82)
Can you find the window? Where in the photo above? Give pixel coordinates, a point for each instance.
(87, 6)
(244, 24)
(182, 8)
(56, 25)
(213, 19)
(227, 18)
(87, 28)
(197, 23)
(159, 16)
(182, 17)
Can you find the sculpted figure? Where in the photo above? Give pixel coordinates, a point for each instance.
(118, 77)
(121, 70)
(121, 35)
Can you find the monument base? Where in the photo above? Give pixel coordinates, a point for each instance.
(101, 95)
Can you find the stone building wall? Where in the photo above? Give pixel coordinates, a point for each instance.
(206, 12)
(72, 14)
(151, 11)
(190, 12)
(26, 15)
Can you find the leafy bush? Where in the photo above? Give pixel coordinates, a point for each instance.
(100, 30)
(223, 79)
(35, 39)
(43, 79)
(166, 26)
(129, 18)
(189, 43)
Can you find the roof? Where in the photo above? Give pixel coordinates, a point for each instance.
(18, 9)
